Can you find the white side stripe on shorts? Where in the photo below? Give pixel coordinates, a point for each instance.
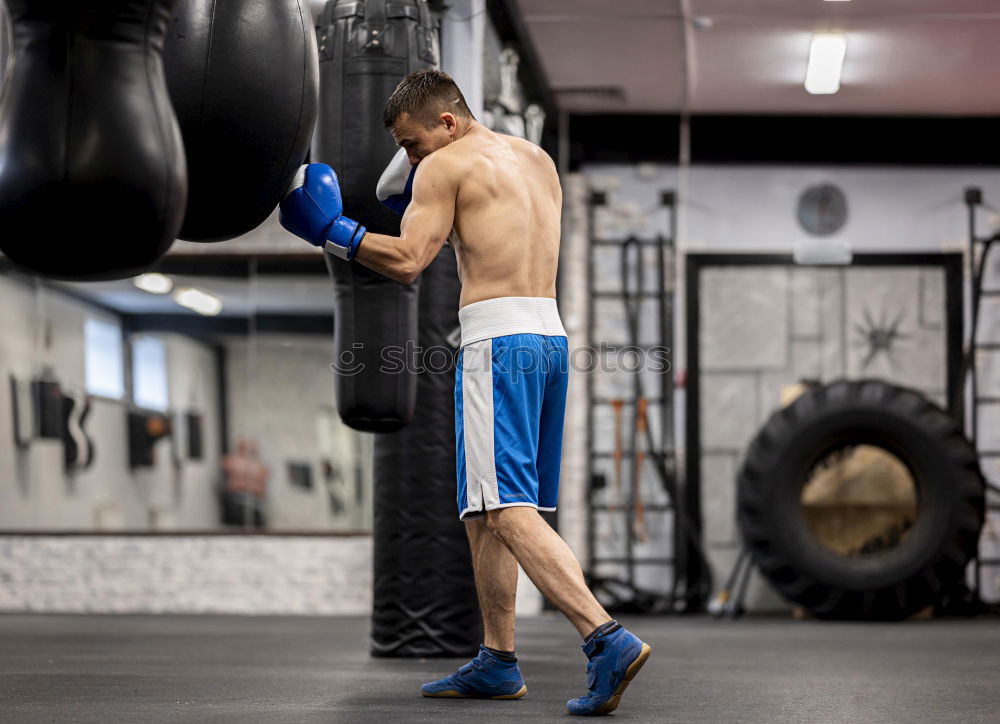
(477, 420)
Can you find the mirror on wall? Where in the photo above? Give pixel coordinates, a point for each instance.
(196, 398)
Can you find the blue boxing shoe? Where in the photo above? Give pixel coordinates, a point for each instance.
(485, 677)
(615, 659)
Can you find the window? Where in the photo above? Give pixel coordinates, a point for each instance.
(149, 374)
(103, 368)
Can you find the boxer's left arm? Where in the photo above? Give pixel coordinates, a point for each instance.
(426, 224)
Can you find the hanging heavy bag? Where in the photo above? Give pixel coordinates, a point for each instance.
(243, 79)
(365, 49)
(424, 601)
(92, 175)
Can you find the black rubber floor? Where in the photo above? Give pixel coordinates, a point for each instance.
(236, 669)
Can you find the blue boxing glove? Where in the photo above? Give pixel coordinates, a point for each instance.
(313, 210)
(395, 187)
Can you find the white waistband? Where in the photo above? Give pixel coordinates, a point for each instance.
(510, 315)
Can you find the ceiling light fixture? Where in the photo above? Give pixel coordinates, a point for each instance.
(154, 283)
(826, 61)
(198, 301)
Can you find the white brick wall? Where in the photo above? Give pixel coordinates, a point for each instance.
(295, 575)
(573, 294)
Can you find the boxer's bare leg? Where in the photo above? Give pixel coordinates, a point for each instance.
(549, 563)
(496, 584)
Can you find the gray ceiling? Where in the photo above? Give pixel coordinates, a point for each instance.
(909, 57)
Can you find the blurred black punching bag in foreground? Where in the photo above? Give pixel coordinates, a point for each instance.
(425, 593)
(365, 49)
(243, 79)
(424, 598)
(5, 42)
(93, 181)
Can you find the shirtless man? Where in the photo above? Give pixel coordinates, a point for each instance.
(501, 195)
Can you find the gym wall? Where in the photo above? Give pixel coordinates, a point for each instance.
(751, 210)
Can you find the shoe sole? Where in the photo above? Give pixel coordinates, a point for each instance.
(611, 704)
(452, 694)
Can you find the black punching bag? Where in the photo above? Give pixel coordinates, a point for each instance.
(365, 49)
(5, 42)
(424, 601)
(243, 79)
(92, 174)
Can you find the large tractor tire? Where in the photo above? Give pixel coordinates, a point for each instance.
(883, 575)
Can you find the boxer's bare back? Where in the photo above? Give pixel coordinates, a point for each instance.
(507, 213)
(496, 197)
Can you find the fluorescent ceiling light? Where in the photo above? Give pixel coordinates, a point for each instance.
(198, 301)
(826, 60)
(154, 283)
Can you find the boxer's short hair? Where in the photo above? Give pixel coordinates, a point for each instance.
(424, 95)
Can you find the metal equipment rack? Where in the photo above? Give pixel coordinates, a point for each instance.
(662, 294)
(977, 254)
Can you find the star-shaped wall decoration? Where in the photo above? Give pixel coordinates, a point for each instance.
(880, 337)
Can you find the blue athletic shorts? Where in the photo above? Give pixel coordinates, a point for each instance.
(510, 401)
